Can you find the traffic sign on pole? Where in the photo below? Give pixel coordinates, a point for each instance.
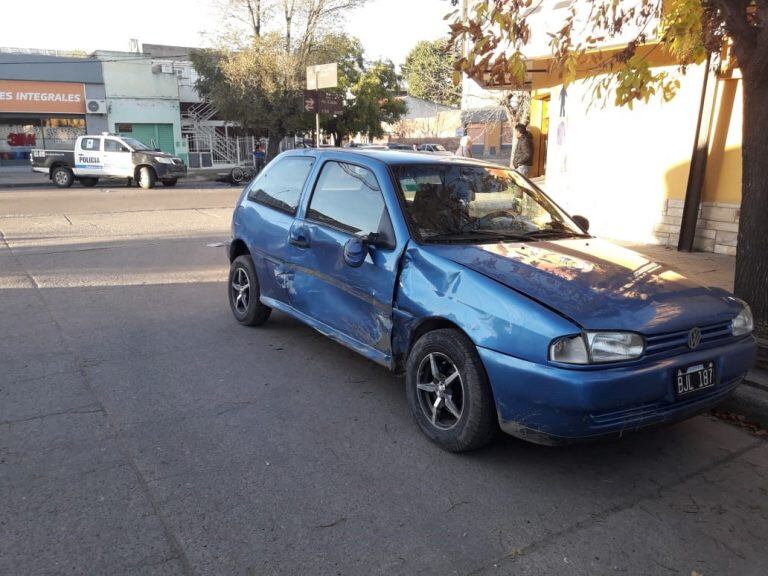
(322, 76)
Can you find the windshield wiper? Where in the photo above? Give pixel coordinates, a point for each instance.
(538, 234)
(478, 235)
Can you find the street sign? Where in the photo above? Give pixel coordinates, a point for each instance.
(322, 76)
(310, 101)
(330, 103)
(318, 102)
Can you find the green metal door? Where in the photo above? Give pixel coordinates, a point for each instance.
(165, 138)
(153, 135)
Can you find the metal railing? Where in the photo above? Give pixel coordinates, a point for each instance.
(213, 149)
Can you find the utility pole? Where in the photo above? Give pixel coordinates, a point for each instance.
(317, 111)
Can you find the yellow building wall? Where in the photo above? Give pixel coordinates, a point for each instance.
(625, 169)
(723, 179)
(618, 166)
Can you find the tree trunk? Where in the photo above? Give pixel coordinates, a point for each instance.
(273, 145)
(752, 252)
(254, 10)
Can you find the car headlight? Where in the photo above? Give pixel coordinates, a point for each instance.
(597, 347)
(744, 323)
(164, 160)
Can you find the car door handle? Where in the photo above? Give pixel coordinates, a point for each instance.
(299, 238)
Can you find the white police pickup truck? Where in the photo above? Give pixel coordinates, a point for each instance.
(108, 156)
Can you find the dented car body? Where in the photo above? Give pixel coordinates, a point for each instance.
(576, 337)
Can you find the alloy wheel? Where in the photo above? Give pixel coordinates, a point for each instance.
(440, 390)
(241, 291)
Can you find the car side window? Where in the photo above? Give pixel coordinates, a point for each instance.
(114, 146)
(90, 143)
(348, 197)
(280, 184)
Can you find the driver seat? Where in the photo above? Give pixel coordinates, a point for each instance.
(437, 209)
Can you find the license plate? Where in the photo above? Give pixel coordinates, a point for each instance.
(694, 378)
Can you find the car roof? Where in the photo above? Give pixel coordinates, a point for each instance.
(397, 157)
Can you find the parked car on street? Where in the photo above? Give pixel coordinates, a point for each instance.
(108, 156)
(398, 146)
(435, 149)
(499, 308)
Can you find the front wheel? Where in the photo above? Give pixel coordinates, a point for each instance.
(244, 293)
(147, 177)
(62, 177)
(448, 391)
(170, 181)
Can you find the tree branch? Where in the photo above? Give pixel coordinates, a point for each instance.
(741, 31)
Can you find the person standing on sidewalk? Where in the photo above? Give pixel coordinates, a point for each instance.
(259, 156)
(522, 159)
(465, 146)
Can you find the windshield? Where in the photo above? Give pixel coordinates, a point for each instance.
(478, 203)
(135, 144)
(439, 148)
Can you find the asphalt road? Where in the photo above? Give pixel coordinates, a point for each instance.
(142, 431)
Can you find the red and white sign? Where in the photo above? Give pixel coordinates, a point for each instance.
(42, 97)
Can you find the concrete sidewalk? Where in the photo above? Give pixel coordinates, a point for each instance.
(750, 400)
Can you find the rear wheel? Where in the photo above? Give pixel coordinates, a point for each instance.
(238, 175)
(170, 181)
(62, 177)
(147, 177)
(89, 182)
(448, 391)
(244, 293)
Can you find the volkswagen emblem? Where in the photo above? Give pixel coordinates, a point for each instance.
(694, 338)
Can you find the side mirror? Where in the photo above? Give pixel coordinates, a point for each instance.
(355, 251)
(582, 222)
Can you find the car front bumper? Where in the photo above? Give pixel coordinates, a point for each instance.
(553, 405)
(166, 171)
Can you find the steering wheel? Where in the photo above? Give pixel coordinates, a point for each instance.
(499, 214)
(487, 220)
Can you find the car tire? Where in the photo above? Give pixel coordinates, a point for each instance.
(147, 177)
(456, 412)
(62, 177)
(243, 290)
(89, 182)
(170, 182)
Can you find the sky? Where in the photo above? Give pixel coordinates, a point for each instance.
(387, 28)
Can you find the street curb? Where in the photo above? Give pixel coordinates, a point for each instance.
(750, 400)
(44, 183)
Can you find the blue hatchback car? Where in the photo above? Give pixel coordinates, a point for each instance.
(498, 306)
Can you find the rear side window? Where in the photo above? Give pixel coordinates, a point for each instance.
(114, 146)
(348, 197)
(280, 184)
(90, 143)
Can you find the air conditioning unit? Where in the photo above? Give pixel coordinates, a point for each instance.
(96, 106)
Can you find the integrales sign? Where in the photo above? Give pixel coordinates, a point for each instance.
(42, 97)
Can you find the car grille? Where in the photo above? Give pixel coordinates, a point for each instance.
(673, 342)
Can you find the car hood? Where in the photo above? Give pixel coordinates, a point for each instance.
(597, 284)
(155, 154)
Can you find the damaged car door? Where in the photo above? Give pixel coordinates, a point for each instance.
(345, 257)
